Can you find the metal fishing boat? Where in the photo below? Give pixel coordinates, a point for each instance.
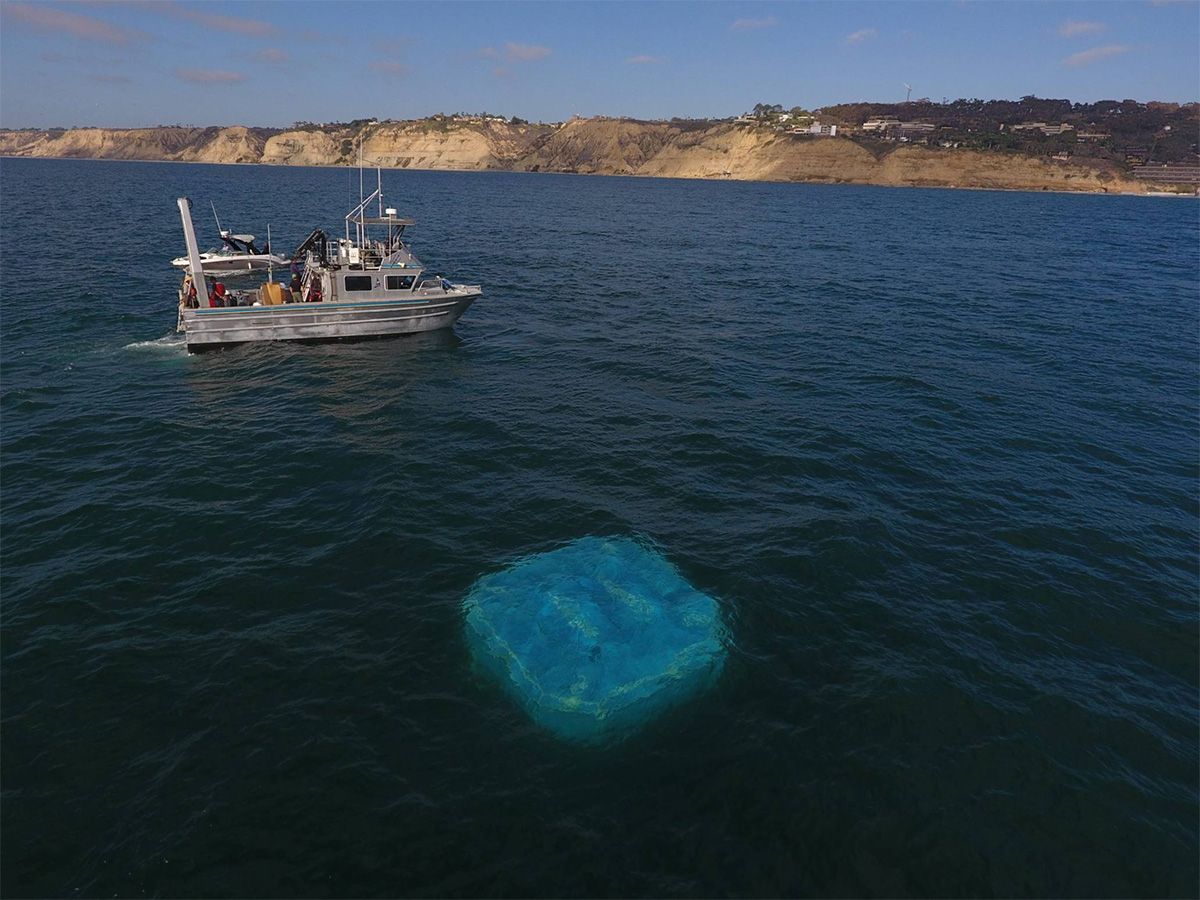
(358, 286)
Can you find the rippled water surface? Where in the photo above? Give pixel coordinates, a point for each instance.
(935, 453)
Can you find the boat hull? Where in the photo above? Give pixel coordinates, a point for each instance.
(210, 329)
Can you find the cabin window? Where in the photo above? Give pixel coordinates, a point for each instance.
(358, 282)
(400, 282)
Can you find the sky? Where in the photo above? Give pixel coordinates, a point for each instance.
(159, 62)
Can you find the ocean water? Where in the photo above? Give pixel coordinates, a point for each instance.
(934, 453)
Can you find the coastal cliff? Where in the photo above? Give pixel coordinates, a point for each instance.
(593, 146)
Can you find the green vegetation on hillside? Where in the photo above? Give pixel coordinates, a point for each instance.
(1107, 130)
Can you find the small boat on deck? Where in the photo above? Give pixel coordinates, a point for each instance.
(356, 287)
(238, 255)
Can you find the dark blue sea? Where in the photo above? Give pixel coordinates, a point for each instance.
(934, 453)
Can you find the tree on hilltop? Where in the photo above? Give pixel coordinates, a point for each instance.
(762, 110)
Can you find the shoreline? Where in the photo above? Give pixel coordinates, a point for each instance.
(633, 175)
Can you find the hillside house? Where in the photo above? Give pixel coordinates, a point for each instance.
(1050, 130)
(881, 124)
(911, 130)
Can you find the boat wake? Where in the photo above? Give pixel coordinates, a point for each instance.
(174, 344)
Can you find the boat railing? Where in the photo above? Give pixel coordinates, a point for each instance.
(369, 255)
(360, 211)
(306, 279)
(431, 282)
(358, 216)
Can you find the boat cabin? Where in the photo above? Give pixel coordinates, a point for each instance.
(361, 266)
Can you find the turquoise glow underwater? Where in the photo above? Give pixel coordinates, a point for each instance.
(595, 638)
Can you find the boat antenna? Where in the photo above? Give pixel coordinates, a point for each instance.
(360, 235)
(215, 216)
(270, 254)
(379, 178)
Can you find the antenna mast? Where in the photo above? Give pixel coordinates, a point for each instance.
(361, 236)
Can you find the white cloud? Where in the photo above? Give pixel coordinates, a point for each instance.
(1087, 57)
(230, 24)
(645, 60)
(271, 55)
(753, 24)
(524, 51)
(1073, 27)
(515, 53)
(390, 67)
(46, 19)
(863, 34)
(395, 48)
(209, 76)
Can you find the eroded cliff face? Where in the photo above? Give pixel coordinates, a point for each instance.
(403, 145)
(400, 146)
(228, 145)
(237, 144)
(754, 155)
(300, 148)
(598, 147)
(104, 143)
(594, 146)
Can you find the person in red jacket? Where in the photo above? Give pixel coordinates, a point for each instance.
(220, 298)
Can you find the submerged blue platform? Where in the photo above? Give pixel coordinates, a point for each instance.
(595, 638)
